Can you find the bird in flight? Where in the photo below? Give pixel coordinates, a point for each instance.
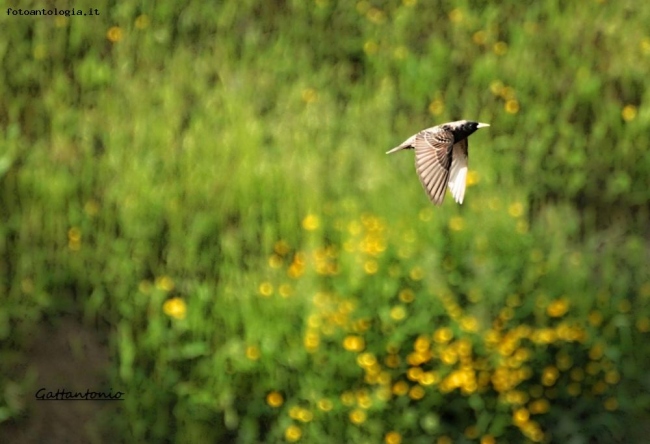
(441, 158)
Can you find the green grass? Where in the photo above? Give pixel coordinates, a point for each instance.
(210, 186)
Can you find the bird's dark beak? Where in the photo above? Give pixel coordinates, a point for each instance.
(482, 125)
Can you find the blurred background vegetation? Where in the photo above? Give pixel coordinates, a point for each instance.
(204, 188)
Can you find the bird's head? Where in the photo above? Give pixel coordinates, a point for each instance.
(462, 129)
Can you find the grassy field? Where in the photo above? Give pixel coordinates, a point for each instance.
(204, 187)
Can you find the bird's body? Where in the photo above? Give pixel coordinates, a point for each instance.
(441, 158)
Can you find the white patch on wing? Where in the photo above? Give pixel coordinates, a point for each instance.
(457, 183)
(458, 171)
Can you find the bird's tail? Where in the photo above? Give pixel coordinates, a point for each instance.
(407, 144)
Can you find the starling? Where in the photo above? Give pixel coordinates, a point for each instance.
(441, 158)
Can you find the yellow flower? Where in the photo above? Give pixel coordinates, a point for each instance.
(325, 405)
(456, 15)
(550, 375)
(469, 324)
(456, 223)
(393, 438)
(114, 34)
(253, 352)
(488, 439)
(471, 432)
(74, 234)
(512, 106)
(414, 373)
(145, 287)
(422, 344)
(500, 48)
(539, 406)
(354, 343)
(479, 37)
(392, 361)
(366, 360)
(443, 335)
(311, 341)
(91, 208)
(296, 269)
(175, 308)
(599, 388)
(449, 356)
(406, 295)
(417, 392)
(281, 248)
(293, 433)
(398, 313)
(429, 378)
(596, 352)
(400, 52)
(644, 290)
(142, 21)
(275, 261)
(643, 324)
(472, 178)
(400, 388)
(370, 47)
(164, 283)
(285, 290)
(437, 107)
(311, 222)
(532, 430)
(363, 399)
(522, 227)
(74, 238)
(496, 87)
(416, 273)
(516, 209)
(629, 113)
(508, 93)
(357, 416)
(558, 308)
(274, 399)
(377, 16)
(520, 416)
(644, 44)
(347, 398)
(425, 215)
(305, 415)
(574, 389)
(371, 266)
(266, 289)
(309, 95)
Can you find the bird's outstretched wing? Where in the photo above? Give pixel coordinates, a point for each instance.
(458, 171)
(432, 161)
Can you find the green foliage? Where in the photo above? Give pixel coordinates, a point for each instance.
(210, 184)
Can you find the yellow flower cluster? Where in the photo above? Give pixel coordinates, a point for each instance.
(365, 244)
(506, 93)
(464, 354)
